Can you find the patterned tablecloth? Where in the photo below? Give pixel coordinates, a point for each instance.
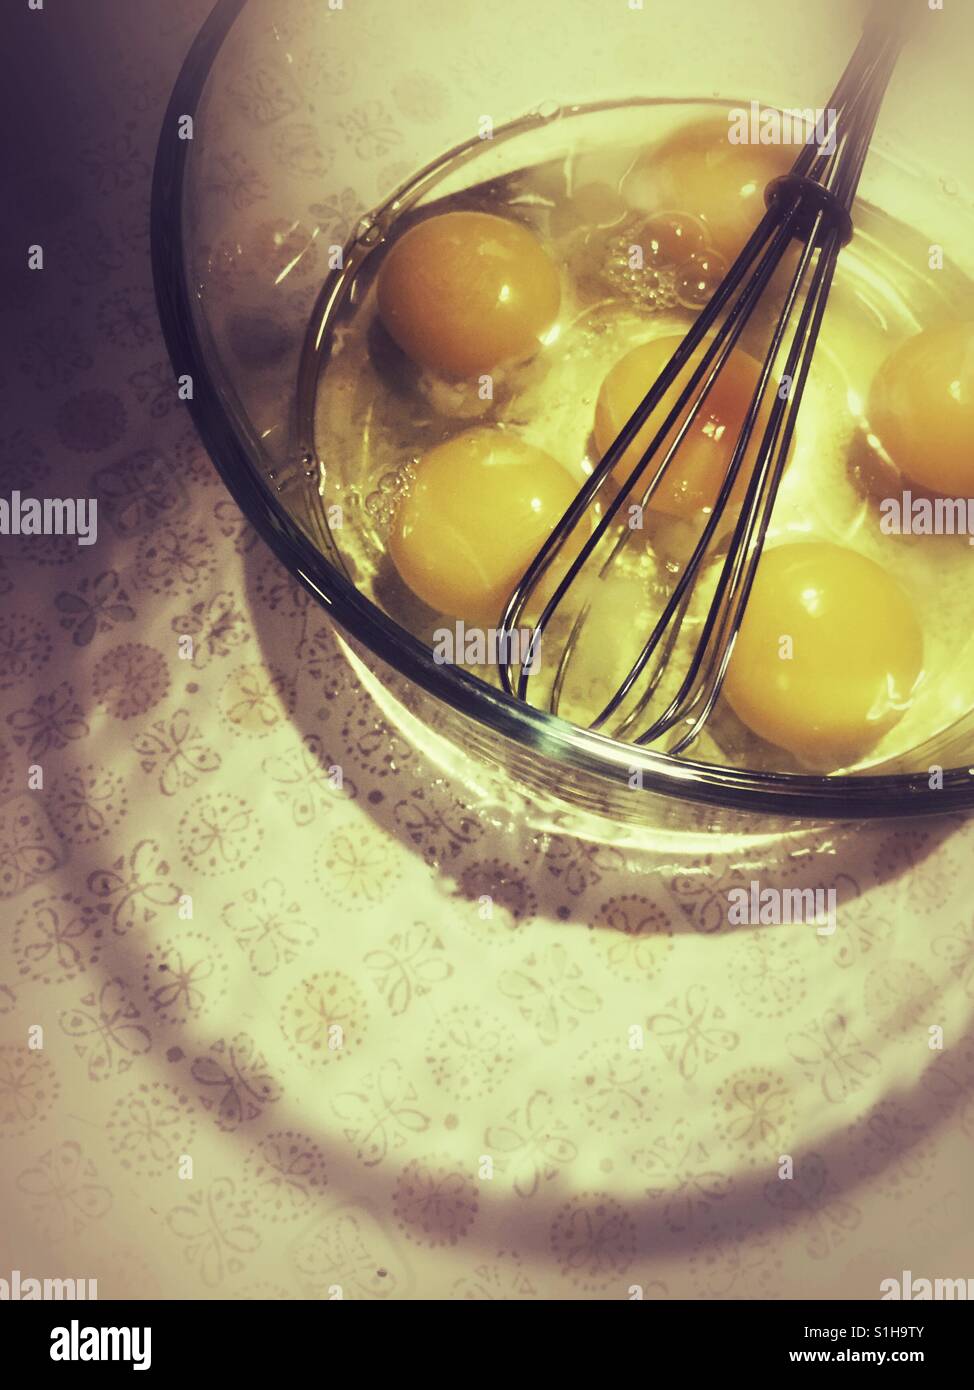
(263, 1037)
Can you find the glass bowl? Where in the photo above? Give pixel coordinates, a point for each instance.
(294, 127)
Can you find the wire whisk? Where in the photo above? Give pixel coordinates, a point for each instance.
(813, 206)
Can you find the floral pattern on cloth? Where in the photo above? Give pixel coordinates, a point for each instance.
(374, 1034)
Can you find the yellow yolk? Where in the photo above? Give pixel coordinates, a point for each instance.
(466, 292)
(922, 409)
(479, 510)
(827, 655)
(699, 171)
(691, 483)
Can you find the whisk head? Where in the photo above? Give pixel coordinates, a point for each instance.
(811, 205)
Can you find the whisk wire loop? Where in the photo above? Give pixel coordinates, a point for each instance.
(812, 205)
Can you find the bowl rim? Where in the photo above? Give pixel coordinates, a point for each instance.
(839, 797)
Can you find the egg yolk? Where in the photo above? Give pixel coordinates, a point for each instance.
(465, 292)
(694, 477)
(479, 510)
(698, 170)
(827, 655)
(921, 409)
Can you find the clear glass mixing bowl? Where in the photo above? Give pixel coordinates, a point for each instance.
(294, 121)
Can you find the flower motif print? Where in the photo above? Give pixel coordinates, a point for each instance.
(894, 1147)
(371, 130)
(338, 215)
(55, 938)
(217, 627)
(766, 973)
(62, 1192)
(98, 604)
(512, 901)
(115, 164)
(435, 1202)
(263, 96)
(184, 977)
(219, 833)
(28, 1088)
(256, 700)
(238, 1082)
(217, 1231)
(505, 1280)
(155, 388)
(231, 522)
(831, 1054)
(286, 1172)
(28, 845)
(325, 1017)
(692, 1033)
(379, 1114)
(469, 1052)
(733, 1260)
(175, 559)
(632, 937)
(682, 1177)
(88, 803)
(550, 992)
(268, 926)
(107, 1031)
(306, 780)
(137, 493)
(130, 679)
(957, 948)
(236, 180)
(347, 1251)
(576, 864)
(900, 998)
(611, 1084)
(594, 1240)
(411, 963)
(701, 888)
(357, 868)
(151, 1128)
(25, 647)
(175, 752)
(127, 318)
(133, 887)
(810, 1198)
(300, 149)
(440, 831)
(755, 1114)
(532, 1144)
(52, 721)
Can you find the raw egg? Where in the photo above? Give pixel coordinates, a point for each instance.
(691, 483)
(465, 292)
(922, 409)
(698, 170)
(480, 507)
(828, 653)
